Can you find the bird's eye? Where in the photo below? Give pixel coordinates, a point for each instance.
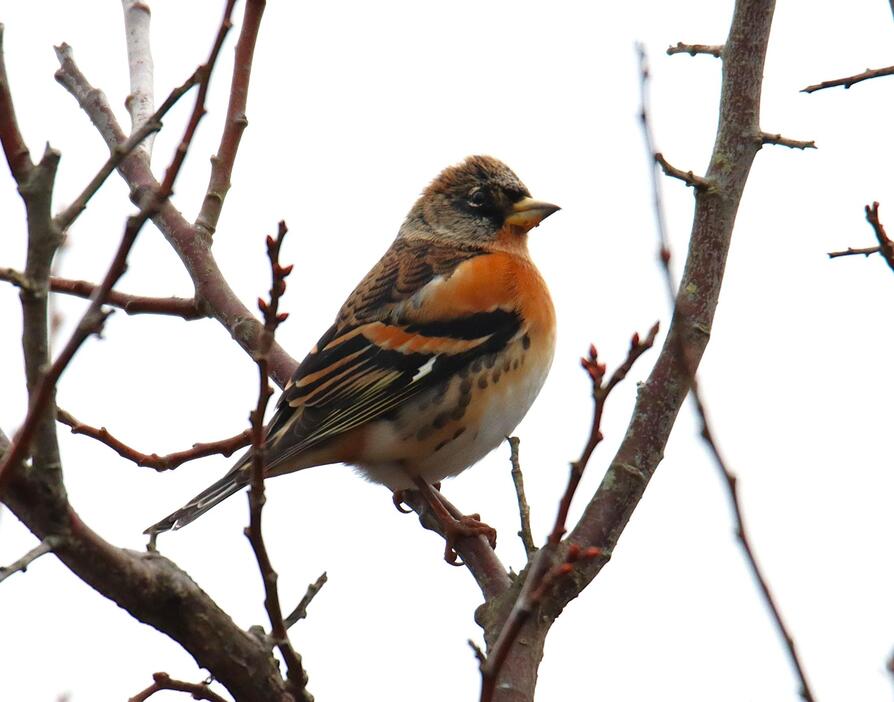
(477, 198)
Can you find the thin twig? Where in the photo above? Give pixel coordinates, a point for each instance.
(17, 155)
(601, 392)
(182, 307)
(93, 319)
(688, 177)
(541, 577)
(212, 289)
(163, 681)
(715, 50)
(21, 565)
(141, 101)
(235, 122)
(542, 573)
(524, 509)
(707, 434)
(64, 219)
(664, 251)
(169, 461)
(780, 140)
(868, 251)
(745, 541)
(848, 81)
(300, 611)
(295, 673)
(886, 246)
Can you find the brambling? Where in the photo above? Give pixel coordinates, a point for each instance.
(434, 358)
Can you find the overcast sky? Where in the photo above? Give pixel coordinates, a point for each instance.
(354, 108)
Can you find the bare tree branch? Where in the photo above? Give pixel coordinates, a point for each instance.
(543, 571)
(17, 155)
(848, 81)
(868, 251)
(151, 125)
(225, 447)
(93, 319)
(212, 289)
(707, 433)
(475, 552)
(688, 177)
(742, 535)
(141, 101)
(715, 50)
(661, 396)
(150, 587)
(780, 140)
(132, 304)
(297, 676)
(163, 681)
(21, 565)
(885, 245)
(524, 510)
(236, 121)
(300, 611)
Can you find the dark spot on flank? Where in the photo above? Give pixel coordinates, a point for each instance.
(442, 444)
(515, 364)
(490, 360)
(476, 366)
(441, 420)
(440, 394)
(458, 413)
(464, 400)
(465, 387)
(496, 376)
(459, 432)
(507, 364)
(482, 381)
(526, 342)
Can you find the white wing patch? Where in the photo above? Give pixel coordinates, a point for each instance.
(425, 369)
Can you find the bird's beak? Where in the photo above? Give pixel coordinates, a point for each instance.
(528, 213)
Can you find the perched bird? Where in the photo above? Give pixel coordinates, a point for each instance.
(434, 358)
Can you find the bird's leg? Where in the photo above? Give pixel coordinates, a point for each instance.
(457, 525)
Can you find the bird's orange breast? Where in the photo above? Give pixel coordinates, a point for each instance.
(484, 283)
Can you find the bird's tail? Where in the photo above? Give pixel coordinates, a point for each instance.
(231, 483)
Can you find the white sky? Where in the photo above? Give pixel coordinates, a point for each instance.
(354, 107)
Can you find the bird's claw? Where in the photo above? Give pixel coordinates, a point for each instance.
(398, 498)
(467, 525)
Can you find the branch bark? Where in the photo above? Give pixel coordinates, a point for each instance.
(848, 81)
(213, 292)
(236, 121)
(141, 101)
(660, 398)
(150, 587)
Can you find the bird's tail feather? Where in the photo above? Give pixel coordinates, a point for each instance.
(231, 483)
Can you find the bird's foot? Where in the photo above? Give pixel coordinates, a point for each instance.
(398, 497)
(467, 525)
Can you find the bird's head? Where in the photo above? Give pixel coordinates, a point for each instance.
(478, 201)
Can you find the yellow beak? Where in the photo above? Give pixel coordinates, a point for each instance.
(528, 213)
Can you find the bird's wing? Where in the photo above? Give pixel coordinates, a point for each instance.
(424, 312)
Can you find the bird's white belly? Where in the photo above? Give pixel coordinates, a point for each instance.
(443, 433)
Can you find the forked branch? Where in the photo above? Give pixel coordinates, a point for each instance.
(296, 675)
